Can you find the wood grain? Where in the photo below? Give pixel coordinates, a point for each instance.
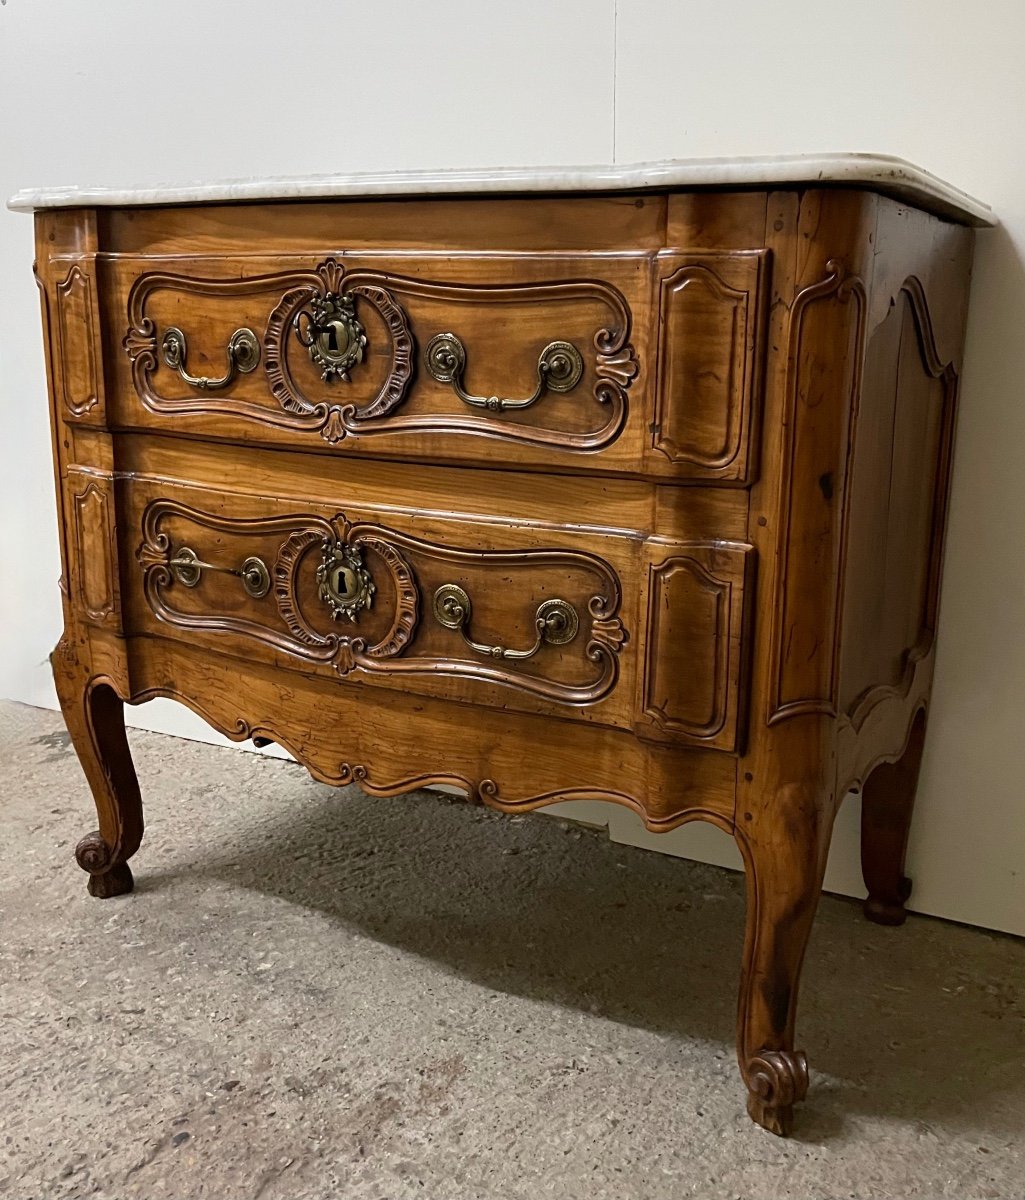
(743, 499)
(710, 348)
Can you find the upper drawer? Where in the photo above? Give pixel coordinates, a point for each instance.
(628, 362)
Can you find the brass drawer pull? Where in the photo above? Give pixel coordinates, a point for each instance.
(559, 368)
(188, 569)
(556, 622)
(243, 356)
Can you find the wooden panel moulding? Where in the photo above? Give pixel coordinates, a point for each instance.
(711, 322)
(78, 358)
(93, 566)
(694, 669)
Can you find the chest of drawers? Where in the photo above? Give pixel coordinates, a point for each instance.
(623, 485)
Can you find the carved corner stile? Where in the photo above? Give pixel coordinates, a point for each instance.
(93, 565)
(77, 331)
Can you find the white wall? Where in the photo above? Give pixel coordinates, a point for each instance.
(131, 93)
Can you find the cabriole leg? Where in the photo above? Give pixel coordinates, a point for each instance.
(887, 801)
(94, 715)
(784, 863)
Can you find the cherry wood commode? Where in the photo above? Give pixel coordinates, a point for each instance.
(633, 495)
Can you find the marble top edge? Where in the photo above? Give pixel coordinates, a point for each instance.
(883, 173)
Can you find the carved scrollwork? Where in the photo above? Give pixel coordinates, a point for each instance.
(616, 370)
(327, 308)
(300, 534)
(304, 290)
(338, 543)
(776, 1079)
(607, 632)
(312, 539)
(107, 876)
(93, 854)
(140, 343)
(319, 310)
(615, 363)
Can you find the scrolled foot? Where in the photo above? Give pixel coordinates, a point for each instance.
(889, 909)
(776, 1080)
(106, 878)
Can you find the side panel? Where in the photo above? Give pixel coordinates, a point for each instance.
(901, 460)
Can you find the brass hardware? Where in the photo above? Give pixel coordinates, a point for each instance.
(332, 334)
(255, 577)
(555, 621)
(559, 368)
(344, 582)
(243, 356)
(188, 569)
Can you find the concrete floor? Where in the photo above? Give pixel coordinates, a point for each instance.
(316, 994)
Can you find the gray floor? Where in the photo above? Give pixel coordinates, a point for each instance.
(316, 994)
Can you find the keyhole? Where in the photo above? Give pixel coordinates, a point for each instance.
(334, 341)
(344, 583)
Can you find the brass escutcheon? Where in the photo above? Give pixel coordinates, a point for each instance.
(345, 584)
(333, 335)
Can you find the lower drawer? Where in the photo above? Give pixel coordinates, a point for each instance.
(624, 630)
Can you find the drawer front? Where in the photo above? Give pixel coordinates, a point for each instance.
(629, 362)
(515, 358)
(445, 608)
(533, 620)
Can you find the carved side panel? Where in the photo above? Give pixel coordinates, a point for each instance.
(93, 565)
(905, 431)
(710, 352)
(824, 354)
(694, 670)
(78, 354)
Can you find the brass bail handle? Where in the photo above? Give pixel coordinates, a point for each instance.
(188, 569)
(559, 368)
(243, 352)
(555, 622)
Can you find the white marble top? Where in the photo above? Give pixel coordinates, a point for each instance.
(891, 176)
